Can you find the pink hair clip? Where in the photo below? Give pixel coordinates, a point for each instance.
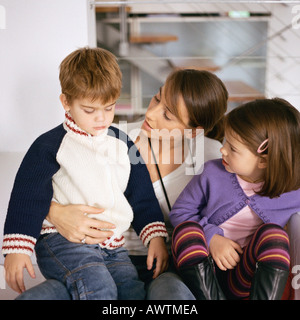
(260, 149)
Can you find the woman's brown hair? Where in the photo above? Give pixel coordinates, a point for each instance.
(205, 97)
(90, 73)
(279, 122)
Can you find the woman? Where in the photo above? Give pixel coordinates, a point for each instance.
(192, 100)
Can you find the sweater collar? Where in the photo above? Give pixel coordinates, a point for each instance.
(71, 125)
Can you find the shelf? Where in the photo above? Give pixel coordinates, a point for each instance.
(152, 38)
(198, 64)
(239, 91)
(110, 9)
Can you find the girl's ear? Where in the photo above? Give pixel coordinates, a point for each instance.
(262, 164)
(64, 102)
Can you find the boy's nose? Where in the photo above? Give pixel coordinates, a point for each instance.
(100, 116)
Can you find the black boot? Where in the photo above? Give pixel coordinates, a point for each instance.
(202, 281)
(268, 283)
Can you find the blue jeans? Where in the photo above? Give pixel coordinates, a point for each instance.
(88, 271)
(168, 286)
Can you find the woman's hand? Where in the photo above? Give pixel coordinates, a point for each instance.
(224, 252)
(72, 222)
(157, 250)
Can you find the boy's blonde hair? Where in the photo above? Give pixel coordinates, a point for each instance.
(279, 122)
(91, 73)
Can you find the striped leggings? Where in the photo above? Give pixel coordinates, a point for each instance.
(269, 244)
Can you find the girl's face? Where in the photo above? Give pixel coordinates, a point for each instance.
(159, 120)
(238, 159)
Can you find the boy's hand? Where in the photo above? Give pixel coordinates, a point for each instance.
(224, 252)
(14, 264)
(157, 250)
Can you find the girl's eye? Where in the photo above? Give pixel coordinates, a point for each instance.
(108, 109)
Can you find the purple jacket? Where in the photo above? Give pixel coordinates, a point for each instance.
(215, 195)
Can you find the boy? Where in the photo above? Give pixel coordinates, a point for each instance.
(83, 161)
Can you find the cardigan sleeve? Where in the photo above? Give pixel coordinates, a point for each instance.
(31, 195)
(191, 205)
(148, 220)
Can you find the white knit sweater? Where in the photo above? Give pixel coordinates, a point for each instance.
(101, 183)
(73, 167)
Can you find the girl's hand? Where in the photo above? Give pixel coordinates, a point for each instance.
(158, 250)
(72, 222)
(224, 252)
(14, 264)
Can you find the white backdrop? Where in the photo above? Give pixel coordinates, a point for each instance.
(38, 34)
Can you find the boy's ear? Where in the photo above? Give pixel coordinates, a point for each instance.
(262, 164)
(64, 102)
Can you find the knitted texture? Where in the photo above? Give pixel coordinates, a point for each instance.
(188, 244)
(74, 168)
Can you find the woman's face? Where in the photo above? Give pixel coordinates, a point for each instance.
(159, 120)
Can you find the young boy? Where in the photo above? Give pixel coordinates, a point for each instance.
(83, 161)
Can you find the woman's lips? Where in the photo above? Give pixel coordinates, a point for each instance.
(146, 126)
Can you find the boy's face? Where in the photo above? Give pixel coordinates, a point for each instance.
(91, 116)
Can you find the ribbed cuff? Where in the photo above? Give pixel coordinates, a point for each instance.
(18, 243)
(153, 230)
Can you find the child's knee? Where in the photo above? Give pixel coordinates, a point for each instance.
(273, 246)
(91, 282)
(189, 244)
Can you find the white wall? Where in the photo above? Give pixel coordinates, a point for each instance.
(38, 35)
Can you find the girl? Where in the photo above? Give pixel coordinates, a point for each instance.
(234, 211)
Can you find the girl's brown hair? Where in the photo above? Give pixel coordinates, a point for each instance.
(90, 73)
(205, 97)
(279, 122)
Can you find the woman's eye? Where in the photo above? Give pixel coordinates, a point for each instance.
(165, 116)
(156, 99)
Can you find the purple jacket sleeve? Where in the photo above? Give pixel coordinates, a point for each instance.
(191, 206)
